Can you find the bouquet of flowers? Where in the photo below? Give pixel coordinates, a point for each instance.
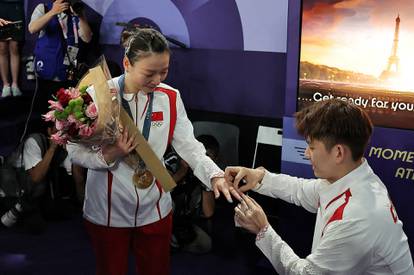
(74, 113)
(81, 117)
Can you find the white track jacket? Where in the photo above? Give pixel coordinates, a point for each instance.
(111, 198)
(357, 228)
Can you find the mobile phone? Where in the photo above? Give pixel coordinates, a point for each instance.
(7, 31)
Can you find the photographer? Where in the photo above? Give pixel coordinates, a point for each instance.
(62, 28)
(49, 171)
(193, 204)
(11, 11)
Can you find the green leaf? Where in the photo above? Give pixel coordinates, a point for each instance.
(82, 90)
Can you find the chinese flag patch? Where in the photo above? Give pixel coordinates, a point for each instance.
(157, 116)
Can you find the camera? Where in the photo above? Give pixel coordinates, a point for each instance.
(70, 73)
(77, 6)
(10, 217)
(76, 72)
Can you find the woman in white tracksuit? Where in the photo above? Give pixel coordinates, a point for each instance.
(118, 214)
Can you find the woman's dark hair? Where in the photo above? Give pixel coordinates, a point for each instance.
(126, 34)
(145, 42)
(336, 121)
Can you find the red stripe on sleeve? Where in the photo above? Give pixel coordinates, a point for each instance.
(172, 95)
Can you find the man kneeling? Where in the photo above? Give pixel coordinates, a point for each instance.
(357, 229)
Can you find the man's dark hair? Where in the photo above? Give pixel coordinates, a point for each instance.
(336, 121)
(43, 127)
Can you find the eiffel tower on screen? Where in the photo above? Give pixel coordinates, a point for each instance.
(393, 60)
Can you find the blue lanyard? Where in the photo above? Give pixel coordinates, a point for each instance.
(147, 123)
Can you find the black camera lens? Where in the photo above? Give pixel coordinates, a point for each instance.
(10, 217)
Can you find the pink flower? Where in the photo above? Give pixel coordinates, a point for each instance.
(59, 138)
(60, 125)
(85, 130)
(49, 116)
(55, 105)
(91, 111)
(74, 93)
(72, 120)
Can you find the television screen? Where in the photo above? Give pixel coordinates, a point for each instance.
(360, 51)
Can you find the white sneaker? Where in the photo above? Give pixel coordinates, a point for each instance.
(16, 91)
(6, 91)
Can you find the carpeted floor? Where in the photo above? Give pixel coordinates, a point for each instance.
(64, 249)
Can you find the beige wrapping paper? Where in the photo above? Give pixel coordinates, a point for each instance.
(108, 119)
(107, 104)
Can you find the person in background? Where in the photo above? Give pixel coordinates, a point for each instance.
(49, 191)
(119, 215)
(61, 31)
(50, 168)
(11, 11)
(192, 202)
(357, 228)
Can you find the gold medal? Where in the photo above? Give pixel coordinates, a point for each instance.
(142, 179)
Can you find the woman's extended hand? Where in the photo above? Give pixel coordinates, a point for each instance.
(219, 184)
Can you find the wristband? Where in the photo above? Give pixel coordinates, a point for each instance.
(261, 233)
